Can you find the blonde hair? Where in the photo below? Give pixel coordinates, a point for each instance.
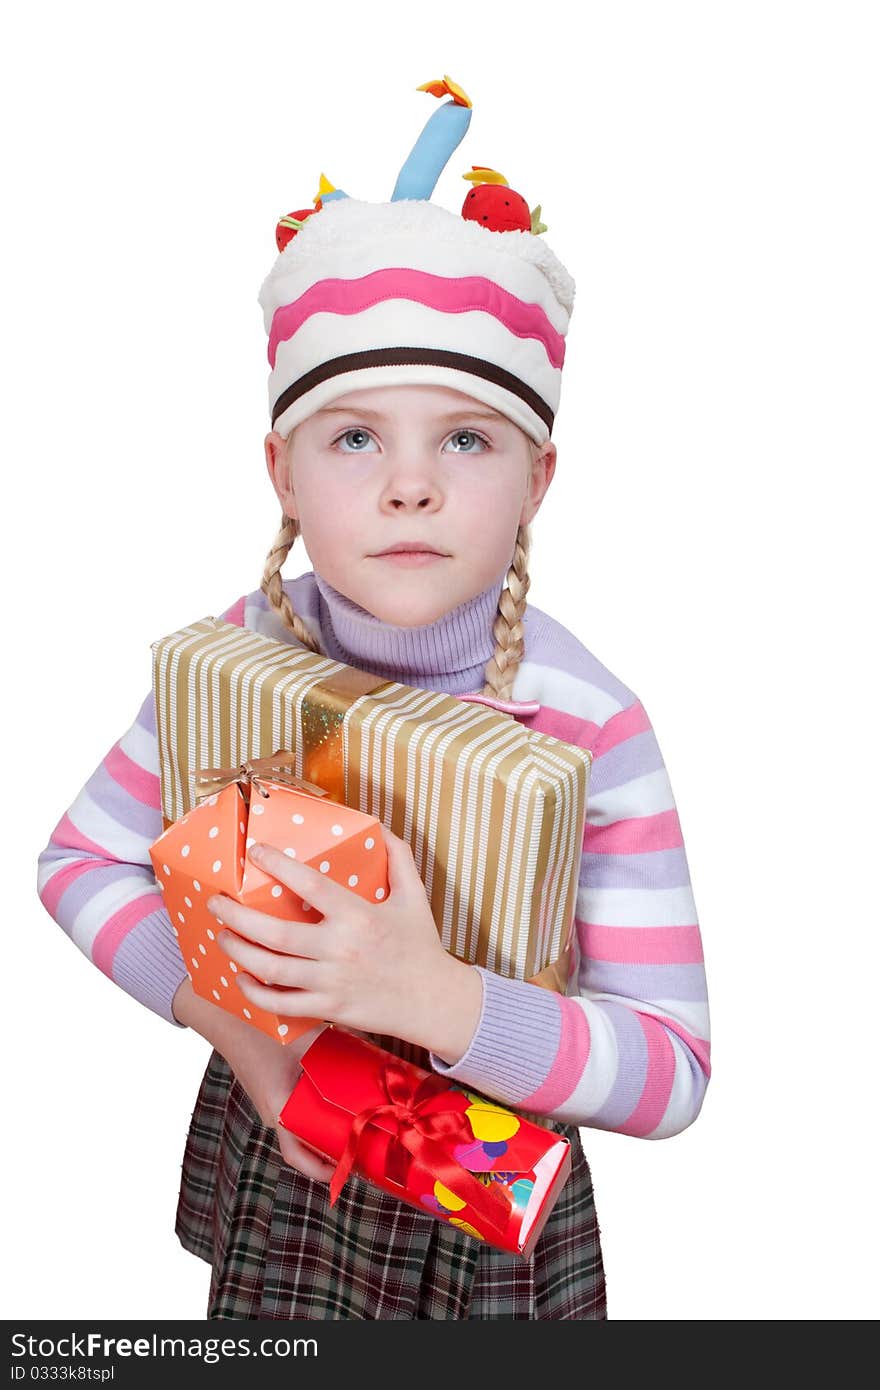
(507, 627)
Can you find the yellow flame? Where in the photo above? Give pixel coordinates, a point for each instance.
(480, 173)
(324, 186)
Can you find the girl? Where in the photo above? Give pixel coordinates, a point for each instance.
(416, 358)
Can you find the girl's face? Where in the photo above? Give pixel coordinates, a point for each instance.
(409, 463)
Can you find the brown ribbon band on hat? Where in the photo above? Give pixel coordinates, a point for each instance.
(277, 768)
(421, 356)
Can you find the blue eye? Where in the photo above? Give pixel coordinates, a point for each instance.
(356, 430)
(473, 434)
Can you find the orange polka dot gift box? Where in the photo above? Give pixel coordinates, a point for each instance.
(427, 1141)
(204, 853)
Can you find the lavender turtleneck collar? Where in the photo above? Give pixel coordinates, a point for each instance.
(449, 655)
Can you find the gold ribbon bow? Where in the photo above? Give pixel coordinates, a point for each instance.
(277, 768)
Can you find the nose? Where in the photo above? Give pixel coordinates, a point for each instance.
(417, 493)
(398, 502)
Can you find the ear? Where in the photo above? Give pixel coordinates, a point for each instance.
(540, 478)
(275, 446)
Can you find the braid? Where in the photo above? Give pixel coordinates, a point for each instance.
(507, 628)
(272, 587)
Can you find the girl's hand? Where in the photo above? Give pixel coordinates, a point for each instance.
(268, 1072)
(378, 967)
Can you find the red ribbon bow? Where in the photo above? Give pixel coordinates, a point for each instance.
(417, 1136)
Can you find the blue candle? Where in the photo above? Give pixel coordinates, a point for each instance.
(430, 154)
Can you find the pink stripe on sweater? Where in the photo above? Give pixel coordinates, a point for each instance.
(659, 1075)
(55, 887)
(620, 727)
(568, 1065)
(66, 836)
(447, 294)
(136, 780)
(235, 614)
(637, 835)
(642, 945)
(116, 928)
(700, 1047)
(558, 723)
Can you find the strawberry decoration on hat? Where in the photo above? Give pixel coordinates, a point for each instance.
(288, 226)
(491, 202)
(497, 206)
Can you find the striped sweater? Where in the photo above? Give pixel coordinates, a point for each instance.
(628, 1048)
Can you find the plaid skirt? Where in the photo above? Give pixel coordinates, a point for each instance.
(277, 1249)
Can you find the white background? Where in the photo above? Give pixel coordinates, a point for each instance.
(708, 172)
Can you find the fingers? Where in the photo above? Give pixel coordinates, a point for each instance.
(298, 1155)
(297, 1003)
(394, 843)
(288, 971)
(282, 934)
(314, 885)
(402, 871)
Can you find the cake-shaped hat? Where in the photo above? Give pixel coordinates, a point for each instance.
(367, 294)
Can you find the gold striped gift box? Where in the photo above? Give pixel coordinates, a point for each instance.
(494, 812)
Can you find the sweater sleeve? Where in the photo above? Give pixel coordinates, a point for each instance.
(95, 877)
(629, 1050)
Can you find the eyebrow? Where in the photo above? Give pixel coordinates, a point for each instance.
(492, 415)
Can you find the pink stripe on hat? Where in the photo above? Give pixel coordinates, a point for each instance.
(446, 295)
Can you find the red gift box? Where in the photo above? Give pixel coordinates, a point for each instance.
(427, 1141)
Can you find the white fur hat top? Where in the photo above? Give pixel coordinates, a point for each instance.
(366, 294)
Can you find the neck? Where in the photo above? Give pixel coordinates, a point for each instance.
(449, 654)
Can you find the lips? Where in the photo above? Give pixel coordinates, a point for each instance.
(409, 548)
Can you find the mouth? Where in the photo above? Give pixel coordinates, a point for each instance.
(410, 559)
(407, 549)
